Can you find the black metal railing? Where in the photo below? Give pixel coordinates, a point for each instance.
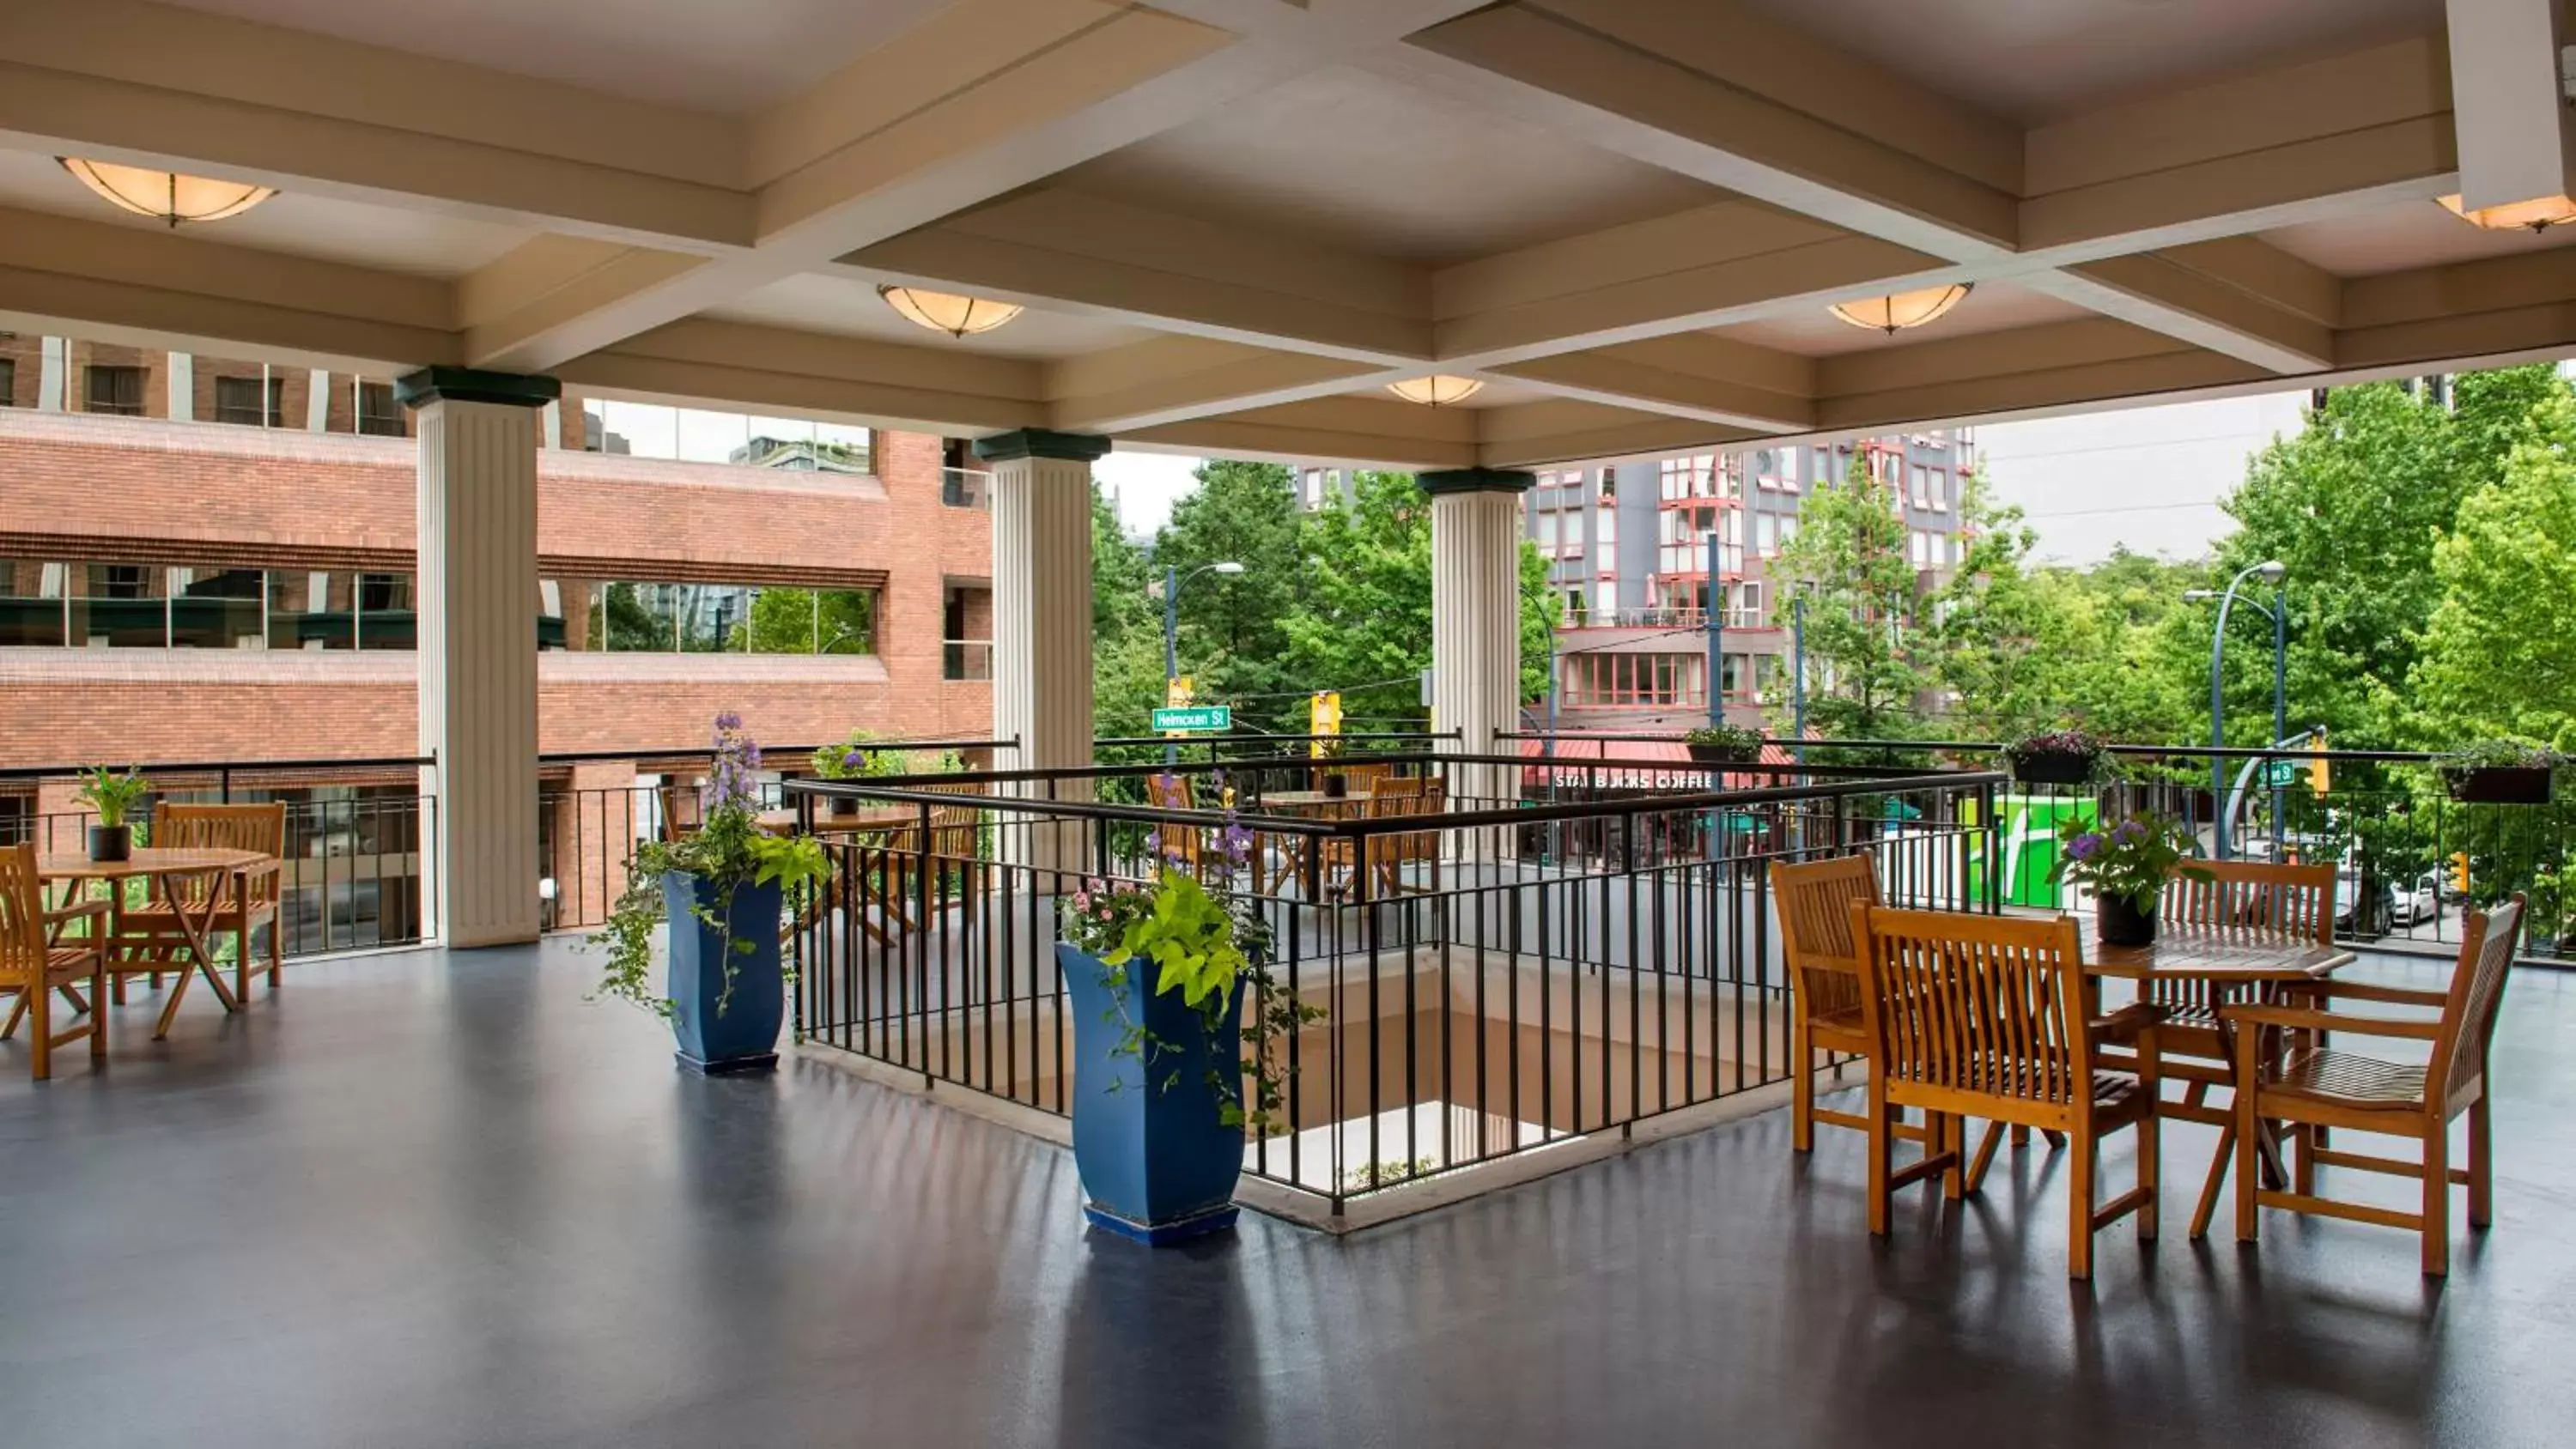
(1503, 975)
(2410, 857)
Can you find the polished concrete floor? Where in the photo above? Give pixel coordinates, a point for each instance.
(421, 1200)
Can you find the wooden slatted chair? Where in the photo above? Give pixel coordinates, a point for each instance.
(1404, 797)
(2315, 1086)
(2260, 899)
(1984, 1016)
(260, 829)
(1815, 900)
(954, 851)
(1183, 845)
(36, 965)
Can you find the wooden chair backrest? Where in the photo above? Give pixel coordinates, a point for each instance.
(1362, 779)
(2477, 987)
(1405, 799)
(1815, 900)
(956, 831)
(258, 828)
(22, 917)
(681, 812)
(2288, 900)
(1990, 1006)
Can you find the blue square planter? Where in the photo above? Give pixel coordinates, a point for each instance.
(743, 1036)
(1156, 1163)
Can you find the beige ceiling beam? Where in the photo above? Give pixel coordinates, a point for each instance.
(2517, 136)
(774, 369)
(1091, 256)
(2154, 291)
(1605, 77)
(1334, 429)
(1564, 430)
(1712, 379)
(1170, 380)
(2304, 142)
(99, 274)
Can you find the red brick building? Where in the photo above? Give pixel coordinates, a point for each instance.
(203, 560)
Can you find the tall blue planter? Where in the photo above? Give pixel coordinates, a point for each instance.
(743, 1037)
(1156, 1163)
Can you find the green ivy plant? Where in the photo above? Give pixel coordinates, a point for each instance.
(2504, 754)
(729, 851)
(1201, 944)
(1734, 738)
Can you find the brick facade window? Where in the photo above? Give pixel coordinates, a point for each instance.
(378, 414)
(1613, 681)
(8, 380)
(258, 402)
(117, 390)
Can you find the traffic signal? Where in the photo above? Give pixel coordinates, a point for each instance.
(1323, 717)
(2460, 871)
(2317, 773)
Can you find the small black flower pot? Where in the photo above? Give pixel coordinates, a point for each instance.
(1724, 754)
(2120, 923)
(1337, 787)
(844, 805)
(111, 842)
(2053, 769)
(2499, 784)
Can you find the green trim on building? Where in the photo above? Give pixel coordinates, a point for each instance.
(1475, 480)
(473, 384)
(1040, 443)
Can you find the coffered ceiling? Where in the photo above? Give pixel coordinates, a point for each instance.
(1233, 221)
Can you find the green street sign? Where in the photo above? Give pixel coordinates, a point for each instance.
(2278, 773)
(1194, 719)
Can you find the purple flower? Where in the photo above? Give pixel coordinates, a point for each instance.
(854, 759)
(1236, 841)
(2083, 847)
(728, 722)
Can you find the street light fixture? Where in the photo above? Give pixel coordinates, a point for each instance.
(1173, 582)
(2270, 571)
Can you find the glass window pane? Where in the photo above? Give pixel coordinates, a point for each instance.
(215, 608)
(31, 602)
(783, 621)
(385, 616)
(119, 606)
(310, 610)
(849, 621)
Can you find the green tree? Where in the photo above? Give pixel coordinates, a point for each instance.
(1848, 565)
(2353, 505)
(1363, 622)
(2498, 658)
(2003, 637)
(1233, 630)
(1126, 629)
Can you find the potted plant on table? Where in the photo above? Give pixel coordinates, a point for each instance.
(1179, 1044)
(719, 894)
(1723, 744)
(2057, 757)
(112, 795)
(2500, 772)
(2126, 867)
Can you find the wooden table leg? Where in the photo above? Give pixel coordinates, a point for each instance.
(204, 959)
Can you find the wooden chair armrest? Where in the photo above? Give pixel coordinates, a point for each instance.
(83, 911)
(2392, 995)
(2123, 1026)
(2304, 1020)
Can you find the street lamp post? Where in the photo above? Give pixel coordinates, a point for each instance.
(2270, 571)
(1173, 582)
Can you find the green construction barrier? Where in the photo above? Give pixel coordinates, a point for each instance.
(2028, 836)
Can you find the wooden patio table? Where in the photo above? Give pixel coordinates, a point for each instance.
(2221, 956)
(232, 870)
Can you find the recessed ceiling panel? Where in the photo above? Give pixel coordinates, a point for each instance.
(2400, 238)
(298, 224)
(1353, 160)
(1992, 307)
(846, 302)
(2034, 60)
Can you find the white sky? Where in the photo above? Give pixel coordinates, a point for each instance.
(2147, 477)
(1145, 485)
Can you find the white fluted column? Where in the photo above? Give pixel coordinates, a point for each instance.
(476, 592)
(1475, 620)
(1042, 623)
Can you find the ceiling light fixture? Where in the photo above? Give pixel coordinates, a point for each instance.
(948, 312)
(166, 195)
(1438, 390)
(2540, 213)
(1893, 314)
